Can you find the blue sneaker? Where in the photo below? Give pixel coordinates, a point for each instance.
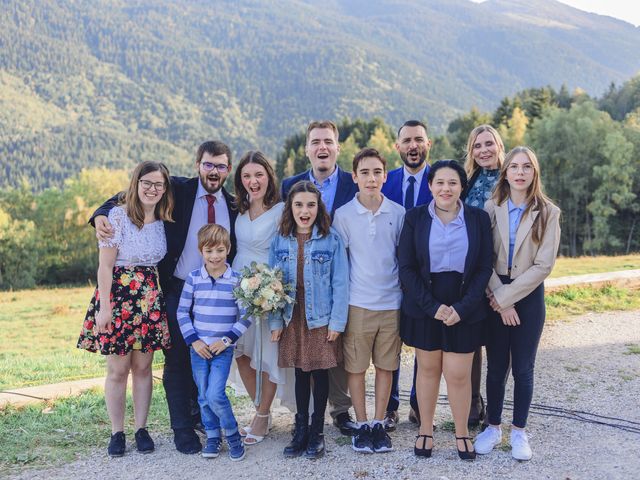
(236, 447)
(212, 448)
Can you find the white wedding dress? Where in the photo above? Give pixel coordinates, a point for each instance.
(253, 239)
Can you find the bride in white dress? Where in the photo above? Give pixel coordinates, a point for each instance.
(256, 225)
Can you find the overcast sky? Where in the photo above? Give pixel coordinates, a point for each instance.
(627, 10)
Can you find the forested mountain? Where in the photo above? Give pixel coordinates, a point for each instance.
(111, 82)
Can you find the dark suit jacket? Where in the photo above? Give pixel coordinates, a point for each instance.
(392, 188)
(184, 194)
(415, 266)
(345, 191)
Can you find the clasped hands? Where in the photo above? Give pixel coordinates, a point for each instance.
(208, 351)
(509, 315)
(447, 315)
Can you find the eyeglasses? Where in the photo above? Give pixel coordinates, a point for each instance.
(158, 186)
(220, 167)
(526, 169)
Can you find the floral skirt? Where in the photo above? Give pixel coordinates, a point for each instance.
(139, 320)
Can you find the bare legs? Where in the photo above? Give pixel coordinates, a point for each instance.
(260, 424)
(115, 387)
(457, 373)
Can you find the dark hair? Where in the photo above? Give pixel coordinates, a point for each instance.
(271, 197)
(453, 165)
(413, 123)
(368, 152)
(164, 208)
(288, 223)
(213, 148)
(322, 124)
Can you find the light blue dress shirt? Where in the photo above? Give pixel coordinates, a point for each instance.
(448, 244)
(515, 215)
(327, 188)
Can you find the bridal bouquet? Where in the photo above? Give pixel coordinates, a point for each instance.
(261, 291)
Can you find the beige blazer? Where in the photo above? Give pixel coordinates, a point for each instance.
(531, 263)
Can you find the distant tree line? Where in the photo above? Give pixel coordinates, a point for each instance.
(589, 150)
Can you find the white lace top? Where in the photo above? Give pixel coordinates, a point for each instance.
(141, 247)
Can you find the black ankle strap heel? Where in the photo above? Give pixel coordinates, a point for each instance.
(465, 454)
(422, 452)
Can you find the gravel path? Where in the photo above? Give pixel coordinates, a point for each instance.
(584, 364)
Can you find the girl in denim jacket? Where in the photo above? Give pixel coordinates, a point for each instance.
(313, 258)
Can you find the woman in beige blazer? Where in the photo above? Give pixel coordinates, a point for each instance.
(526, 236)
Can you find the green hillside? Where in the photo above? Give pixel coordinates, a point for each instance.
(109, 83)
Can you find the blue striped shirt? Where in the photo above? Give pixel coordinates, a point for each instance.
(215, 313)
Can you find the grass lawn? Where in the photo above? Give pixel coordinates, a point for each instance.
(40, 329)
(49, 434)
(577, 266)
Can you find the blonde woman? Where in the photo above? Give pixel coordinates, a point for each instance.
(485, 154)
(526, 237)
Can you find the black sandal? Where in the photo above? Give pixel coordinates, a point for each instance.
(465, 454)
(422, 452)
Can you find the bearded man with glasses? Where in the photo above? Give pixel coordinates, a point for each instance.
(198, 201)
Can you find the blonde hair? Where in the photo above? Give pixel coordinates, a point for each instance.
(164, 208)
(211, 235)
(470, 165)
(535, 199)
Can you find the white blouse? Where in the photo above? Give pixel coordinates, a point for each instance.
(141, 247)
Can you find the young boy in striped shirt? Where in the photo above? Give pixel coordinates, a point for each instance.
(210, 323)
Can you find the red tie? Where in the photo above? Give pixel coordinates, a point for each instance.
(211, 213)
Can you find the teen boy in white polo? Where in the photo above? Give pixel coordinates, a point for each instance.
(370, 226)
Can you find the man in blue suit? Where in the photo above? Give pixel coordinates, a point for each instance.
(408, 186)
(322, 148)
(337, 188)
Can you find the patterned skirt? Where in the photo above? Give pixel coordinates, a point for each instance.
(139, 320)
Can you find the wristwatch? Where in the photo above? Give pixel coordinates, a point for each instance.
(227, 341)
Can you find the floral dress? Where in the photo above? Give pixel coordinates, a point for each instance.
(139, 319)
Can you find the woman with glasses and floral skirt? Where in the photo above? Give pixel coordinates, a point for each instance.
(132, 323)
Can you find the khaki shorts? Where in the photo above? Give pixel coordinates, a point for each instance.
(371, 334)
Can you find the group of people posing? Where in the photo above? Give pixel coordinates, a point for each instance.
(444, 258)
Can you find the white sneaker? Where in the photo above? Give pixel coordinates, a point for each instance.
(520, 449)
(486, 440)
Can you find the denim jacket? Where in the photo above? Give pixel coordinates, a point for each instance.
(326, 279)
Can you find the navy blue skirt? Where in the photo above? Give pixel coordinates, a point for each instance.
(427, 333)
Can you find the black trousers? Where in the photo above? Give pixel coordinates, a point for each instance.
(177, 379)
(520, 345)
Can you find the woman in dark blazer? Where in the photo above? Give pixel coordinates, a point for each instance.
(444, 259)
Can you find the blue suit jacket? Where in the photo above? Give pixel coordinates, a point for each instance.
(345, 191)
(392, 188)
(414, 265)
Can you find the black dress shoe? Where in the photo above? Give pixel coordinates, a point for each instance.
(344, 423)
(423, 451)
(413, 417)
(477, 412)
(117, 445)
(390, 421)
(186, 441)
(465, 454)
(144, 442)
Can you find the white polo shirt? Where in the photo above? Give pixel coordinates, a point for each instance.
(372, 240)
